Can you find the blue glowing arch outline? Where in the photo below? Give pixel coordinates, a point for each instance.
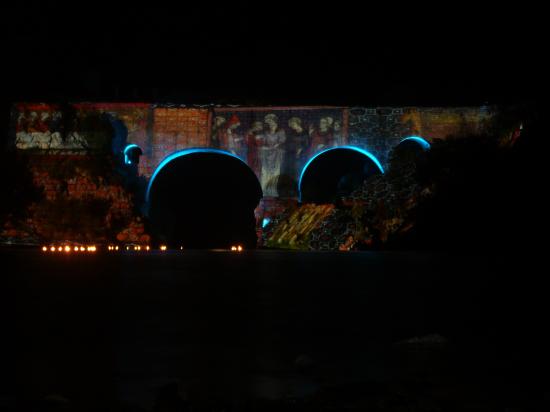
(354, 148)
(186, 152)
(126, 149)
(421, 141)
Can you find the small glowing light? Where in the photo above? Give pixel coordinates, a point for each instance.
(67, 248)
(163, 247)
(239, 248)
(181, 247)
(44, 249)
(139, 248)
(76, 248)
(82, 248)
(136, 248)
(147, 248)
(52, 248)
(233, 248)
(127, 247)
(265, 222)
(116, 247)
(60, 248)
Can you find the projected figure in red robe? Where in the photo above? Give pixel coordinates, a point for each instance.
(252, 143)
(233, 139)
(323, 137)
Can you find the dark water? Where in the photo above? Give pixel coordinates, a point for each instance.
(273, 326)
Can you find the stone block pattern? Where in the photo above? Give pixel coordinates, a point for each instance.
(379, 130)
(175, 129)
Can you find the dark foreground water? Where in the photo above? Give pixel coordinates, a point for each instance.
(268, 330)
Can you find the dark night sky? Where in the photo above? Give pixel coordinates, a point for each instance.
(272, 53)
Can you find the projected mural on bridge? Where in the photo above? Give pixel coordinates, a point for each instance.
(79, 127)
(277, 142)
(107, 154)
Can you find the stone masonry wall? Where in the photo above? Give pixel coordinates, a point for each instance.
(381, 129)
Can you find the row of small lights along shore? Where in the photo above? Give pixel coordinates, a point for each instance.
(137, 248)
(113, 248)
(68, 248)
(93, 248)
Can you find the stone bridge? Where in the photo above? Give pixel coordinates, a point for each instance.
(277, 143)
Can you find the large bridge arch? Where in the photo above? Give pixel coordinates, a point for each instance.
(407, 150)
(203, 197)
(358, 152)
(186, 152)
(418, 140)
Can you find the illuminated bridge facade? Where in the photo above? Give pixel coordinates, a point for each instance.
(277, 143)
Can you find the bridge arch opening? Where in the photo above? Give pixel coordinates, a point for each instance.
(203, 198)
(336, 172)
(132, 152)
(408, 150)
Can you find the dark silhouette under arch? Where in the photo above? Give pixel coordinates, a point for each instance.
(408, 150)
(335, 173)
(204, 199)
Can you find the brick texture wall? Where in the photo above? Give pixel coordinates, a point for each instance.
(77, 204)
(175, 129)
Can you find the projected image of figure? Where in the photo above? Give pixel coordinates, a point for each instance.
(218, 132)
(298, 140)
(330, 121)
(338, 137)
(226, 135)
(270, 154)
(234, 141)
(40, 130)
(323, 136)
(252, 142)
(295, 148)
(27, 132)
(276, 143)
